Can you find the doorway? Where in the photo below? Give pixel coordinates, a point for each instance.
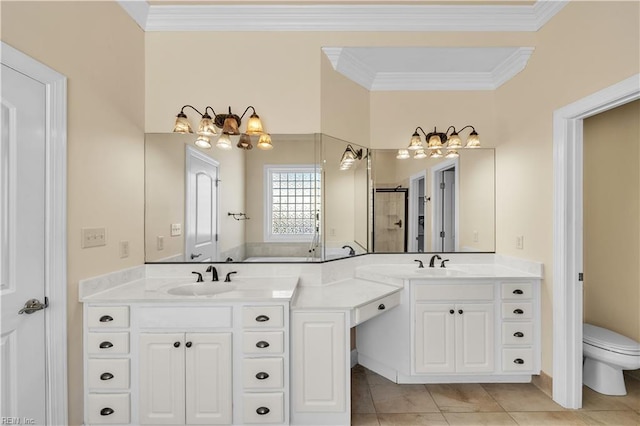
(417, 209)
(390, 220)
(25, 76)
(444, 196)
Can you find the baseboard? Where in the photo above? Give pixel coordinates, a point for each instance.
(354, 357)
(544, 382)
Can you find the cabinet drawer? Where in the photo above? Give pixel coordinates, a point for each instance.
(455, 292)
(108, 316)
(262, 316)
(517, 333)
(112, 408)
(516, 291)
(376, 307)
(182, 317)
(108, 374)
(263, 373)
(263, 342)
(517, 359)
(263, 407)
(108, 343)
(517, 310)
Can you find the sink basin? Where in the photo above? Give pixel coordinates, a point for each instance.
(440, 272)
(201, 289)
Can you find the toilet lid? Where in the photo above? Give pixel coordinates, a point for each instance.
(607, 339)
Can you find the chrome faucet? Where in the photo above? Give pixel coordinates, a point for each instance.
(214, 271)
(352, 252)
(433, 259)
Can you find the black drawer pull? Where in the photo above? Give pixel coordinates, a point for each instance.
(106, 411)
(518, 311)
(262, 411)
(106, 376)
(106, 345)
(518, 291)
(188, 344)
(460, 311)
(451, 311)
(106, 318)
(381, 307)
(518, 361)
(262, 344)
(262, 375)
(176, 345)
(262, 318)
(518, 334)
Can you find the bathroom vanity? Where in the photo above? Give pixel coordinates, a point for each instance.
(274, 348)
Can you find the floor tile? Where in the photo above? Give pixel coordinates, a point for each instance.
(358, 419)
(376, 379)
(361, 401)
(463, 398)
(413, 419)
(521, 397)
(555, 418)
(472, 419)
(402, 399)
(594, 401)
(632, 398)
(618, 418)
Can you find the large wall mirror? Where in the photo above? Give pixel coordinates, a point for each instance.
(296, 203)
(433, 205)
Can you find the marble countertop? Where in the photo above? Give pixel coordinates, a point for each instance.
(346, 294)
(245, 289)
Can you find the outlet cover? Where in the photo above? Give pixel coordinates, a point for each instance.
(520, 242)
(93, 237)
(160, 242)
(475, 236)
(124, 249)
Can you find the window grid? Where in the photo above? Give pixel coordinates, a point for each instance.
(295, 199)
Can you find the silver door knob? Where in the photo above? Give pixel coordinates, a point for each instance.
(33, 305)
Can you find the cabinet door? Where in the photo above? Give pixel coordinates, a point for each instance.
(434, 338)
(319, 361)
(474, 337)
(161, 378)
(208, 378)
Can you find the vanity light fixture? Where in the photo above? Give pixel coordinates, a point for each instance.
(436, 141)
(349, 157)
(229, 124)
(403, 154)
(265, 142)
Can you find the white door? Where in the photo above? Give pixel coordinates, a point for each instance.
(162, 383)
(474, 337)
(22, 242)
(201, 216)
(208, 378)
(448, 210)
(434, 338)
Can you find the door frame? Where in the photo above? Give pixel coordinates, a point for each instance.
(436, 202)
(55, 285)
(406, 214)
(412, 227)
(568, 233)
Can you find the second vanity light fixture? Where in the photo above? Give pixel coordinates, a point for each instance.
(229, 124)
(349, 157)
(437, 141)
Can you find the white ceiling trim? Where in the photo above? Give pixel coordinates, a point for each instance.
(362, 74)
(349, 17)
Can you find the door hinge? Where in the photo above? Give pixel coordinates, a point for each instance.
(442, 185)
(216, 237)
(441, 234)
(580, 276)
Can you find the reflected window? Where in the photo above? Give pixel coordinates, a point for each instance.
(292, 202)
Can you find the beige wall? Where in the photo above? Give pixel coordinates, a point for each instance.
(611, 220)
(103, 60)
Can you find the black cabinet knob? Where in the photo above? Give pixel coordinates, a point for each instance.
(106, 376)
(176, 345)
(381, 307)
(518, 361)
(518, 334)
(106, 411)
(518, 291)
(188, 344)
(262, 411)
(106, 345)
(262, 375)
(262, 318)
(460, 311)
(518, 311)
(262, 344)
(451, 311)
(106, 318)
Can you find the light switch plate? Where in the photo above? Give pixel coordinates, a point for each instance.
(176, 229)
(93, 237)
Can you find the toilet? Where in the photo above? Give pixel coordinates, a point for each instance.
(606, 354)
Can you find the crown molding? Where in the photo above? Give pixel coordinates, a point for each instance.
(353, 68)
(347, 17)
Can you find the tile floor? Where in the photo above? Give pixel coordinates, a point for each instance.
(379, 402)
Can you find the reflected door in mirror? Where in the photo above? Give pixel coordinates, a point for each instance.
(390, 230)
